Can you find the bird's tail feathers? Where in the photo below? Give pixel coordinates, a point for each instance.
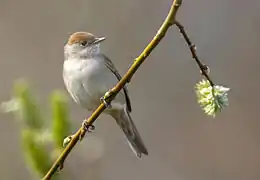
(127, 125)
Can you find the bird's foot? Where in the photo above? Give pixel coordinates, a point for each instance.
(105, 98)
(61, 166)
(86, 128)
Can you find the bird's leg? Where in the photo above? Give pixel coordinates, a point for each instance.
(86, 128)
(61, 166)
(105, 98)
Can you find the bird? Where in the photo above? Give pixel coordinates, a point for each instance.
(88, 74)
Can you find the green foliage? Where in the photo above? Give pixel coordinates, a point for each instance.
(212, 100)
(60, 120)
(35, 153)
(29, 110)
(36, 135)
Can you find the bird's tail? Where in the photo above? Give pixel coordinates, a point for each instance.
(127, 125)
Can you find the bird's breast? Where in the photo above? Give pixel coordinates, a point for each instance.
(87, 81)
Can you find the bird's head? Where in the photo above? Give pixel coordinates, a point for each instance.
(82, 45)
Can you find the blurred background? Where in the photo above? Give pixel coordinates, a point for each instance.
(183, 143)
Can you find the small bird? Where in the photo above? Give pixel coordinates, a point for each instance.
(88, 75)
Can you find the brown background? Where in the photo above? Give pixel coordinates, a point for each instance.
(183, 143)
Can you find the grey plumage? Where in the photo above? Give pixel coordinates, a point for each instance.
(88, 75)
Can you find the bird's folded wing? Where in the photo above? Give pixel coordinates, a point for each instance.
(109, 64)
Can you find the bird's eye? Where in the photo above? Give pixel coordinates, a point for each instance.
(83, 43)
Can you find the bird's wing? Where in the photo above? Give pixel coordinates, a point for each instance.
(109, 64)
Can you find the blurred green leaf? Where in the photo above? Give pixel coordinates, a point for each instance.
(35, 154)
(29, 110)
(35, 137)
(12, 105)
(44, 136)
(60, 118)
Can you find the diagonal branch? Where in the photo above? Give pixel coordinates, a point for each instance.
(203, 68)
(169, 21)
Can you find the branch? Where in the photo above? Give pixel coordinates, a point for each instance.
(169, 21)
(212, 98)
(203, 68)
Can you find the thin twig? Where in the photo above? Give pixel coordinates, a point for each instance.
(169, 21)
(203, 68)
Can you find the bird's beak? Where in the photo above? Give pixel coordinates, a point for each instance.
(98, 40)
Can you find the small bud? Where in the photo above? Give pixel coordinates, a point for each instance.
(66, 141)
(206, 69)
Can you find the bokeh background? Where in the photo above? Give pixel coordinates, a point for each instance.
(183, 143)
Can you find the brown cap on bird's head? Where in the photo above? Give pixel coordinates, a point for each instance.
(84, 38)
